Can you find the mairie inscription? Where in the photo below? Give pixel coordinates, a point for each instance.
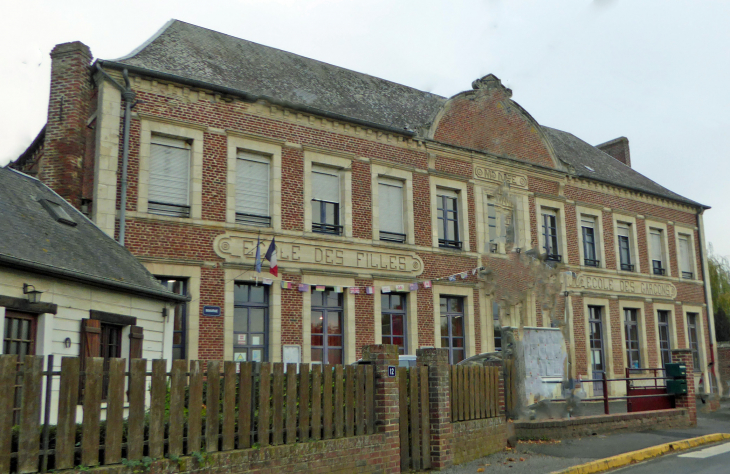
(243, 248)
(489, 174)
(629, 286)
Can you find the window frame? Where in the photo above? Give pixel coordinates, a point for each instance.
(449, 316)
(694, 346)
(388, 338)
(550, 240)
(634, 266)
(389, 172)
(443, 218)
(461, 189)
(661, 227)
(597, 216)
(627, 324)
(559, 209)
(325, 347)
(159, 207)
(314, 159)
(183, 307)
(190, 133)
(266, 305)
(665, 355)
(690, 234)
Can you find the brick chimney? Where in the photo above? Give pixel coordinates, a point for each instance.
(618, 148)
(61, 167)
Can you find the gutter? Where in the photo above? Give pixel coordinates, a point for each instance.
(21, 264)
(251, 97)
(708, 299)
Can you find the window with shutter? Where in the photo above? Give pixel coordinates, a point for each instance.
(657, 260)
(326, 201)
(390, 197)
(252, 189)
(588, 230)
(169, 186)
(685, 257)
(90, 347)
(624, 247)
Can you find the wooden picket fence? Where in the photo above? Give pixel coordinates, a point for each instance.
(415, 428)
(474, 392)
(160, 413)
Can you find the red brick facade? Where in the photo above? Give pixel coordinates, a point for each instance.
(482, 127)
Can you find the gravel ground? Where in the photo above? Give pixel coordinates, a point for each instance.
(521, 460)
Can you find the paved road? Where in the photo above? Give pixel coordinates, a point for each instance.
(713, 459)
(546, 458)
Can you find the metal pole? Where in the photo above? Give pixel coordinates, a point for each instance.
(605, 393)
(628, 385)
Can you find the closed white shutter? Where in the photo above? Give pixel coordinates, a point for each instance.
(623, 229)
(447, 193)
(169, 171)
(684, 254)
(390, 197)
(252, 184)
(325, 185)
(656, 244)
(588, 221)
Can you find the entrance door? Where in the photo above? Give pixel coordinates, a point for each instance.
(598, 362)
(250, 322)
(452, 327)
(19, 339)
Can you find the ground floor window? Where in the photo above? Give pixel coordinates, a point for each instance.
(393, 308)
(111, 347)
(631, 326)
(19, 339)
(452, 327)
(665, 347)
(327, 328)
(179, 317)
(250, 322)
(694, 344)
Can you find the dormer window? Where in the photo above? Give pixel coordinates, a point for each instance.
(58, 212)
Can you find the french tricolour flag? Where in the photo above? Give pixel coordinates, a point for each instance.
(271, 257)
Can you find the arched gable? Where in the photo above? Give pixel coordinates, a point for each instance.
(486, 119)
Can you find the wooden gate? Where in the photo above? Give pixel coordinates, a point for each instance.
(415, 430)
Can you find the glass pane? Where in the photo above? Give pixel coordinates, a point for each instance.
(443, 305)
(13, 347)
(455, 305)
(332, 299)
(25, 329)
(8, 327)
(330, 213)
(317, 322)
(458, 355)
(457, 326)
(440, 226)
(257, 318)
(445, 342)
(451, 227)
(257, 339)
(177, 338)
(240, 339)
(240, 293)
(177, 353)
(14, 331)
(334, 356)
(240, 320)
(257, 355)
(451, 204)
(258, 294)
(178, 318)
(458, 342)
(398, 325)
(384, 302)
(23, 349)
(240, 355)
(385, 321)
(444, 326)
(317, 212)
(317, 355)
(334, 341)
(334, 323)
(396, 301)
(398, 341)
(317, 341)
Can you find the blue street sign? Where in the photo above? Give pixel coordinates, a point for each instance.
(391, 371)
(211, 310)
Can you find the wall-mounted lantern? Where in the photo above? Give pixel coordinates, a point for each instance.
(34, 296)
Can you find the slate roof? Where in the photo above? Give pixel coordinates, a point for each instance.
(579, 154)
(191, 54)
(33, 240)
(204, 55)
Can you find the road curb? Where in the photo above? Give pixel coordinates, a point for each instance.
(633, 457)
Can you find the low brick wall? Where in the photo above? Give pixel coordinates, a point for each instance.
(601, 424)
(478, 438)
(723, 366)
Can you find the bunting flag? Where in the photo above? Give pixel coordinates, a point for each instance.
(268, 281)
(463, 275)
(271, 257)
(338, 289)
(400, 287)
(452, 278)
(354, 290)
(258, 255)
(385, 289)
(303, 287)
(413, 287)
(369, 290)
(427, 284)
(319, 288)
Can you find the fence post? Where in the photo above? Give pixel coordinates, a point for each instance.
(439, 398)
(387, 410)
(604, 385)
(688, 401)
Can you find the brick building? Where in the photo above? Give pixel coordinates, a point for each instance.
(399, 215)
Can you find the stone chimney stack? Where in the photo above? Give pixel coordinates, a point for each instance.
(618, 148)
(61, 167)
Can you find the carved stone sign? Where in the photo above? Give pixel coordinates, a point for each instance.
(489, 174)
(242, 248)
(631, 286)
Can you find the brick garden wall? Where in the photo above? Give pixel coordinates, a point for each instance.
(478, 438)
(723, 364)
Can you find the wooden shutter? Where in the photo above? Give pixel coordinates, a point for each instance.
(90, 347)
(136, 337)
(169, 171)
(252, 184)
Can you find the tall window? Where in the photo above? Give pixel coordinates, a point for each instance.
(624, 246)
(694, 344)
(180, 317)
(685, 256)
(598, 363)
(499, 223)
(391, 203)
(393, 309)
(665, 347)
(327, 328)
(169, 186)
(19, 339)
(111, 348)
(657, 260)
(497, 327)
(588, 228)
(252, 189)
(550, 235)
(447, 207)
(326, 201)
(631, 327)
(452, 327)
(250, 322)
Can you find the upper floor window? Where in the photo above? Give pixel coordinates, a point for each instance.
(391, 203)
(326, 212)
(447, 206)
(550, 235)
(588, 230)
(252, 189)
(499, 223)
(624, 246)
(685, 256)
(657, 256)
(169, 177)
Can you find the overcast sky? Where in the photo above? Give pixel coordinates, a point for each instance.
(655, 71)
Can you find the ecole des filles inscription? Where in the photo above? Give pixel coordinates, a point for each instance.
(231, 247)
